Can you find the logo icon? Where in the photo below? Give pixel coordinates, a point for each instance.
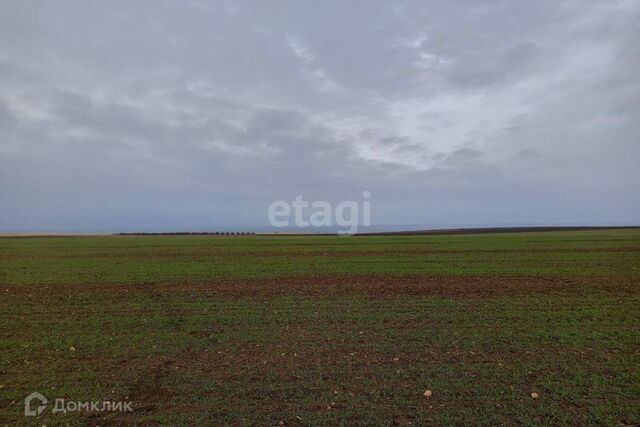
(34, 404)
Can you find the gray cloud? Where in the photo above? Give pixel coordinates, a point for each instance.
(167, 114)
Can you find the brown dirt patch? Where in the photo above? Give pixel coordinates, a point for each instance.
(324, 285)
(368, 253)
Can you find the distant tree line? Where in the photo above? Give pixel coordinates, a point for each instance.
(185, 233)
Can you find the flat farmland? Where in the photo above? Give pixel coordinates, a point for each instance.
(321, 330)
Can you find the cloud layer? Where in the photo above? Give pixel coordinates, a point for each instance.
(177, 114)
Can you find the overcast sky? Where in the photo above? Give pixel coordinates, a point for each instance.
(174, 114)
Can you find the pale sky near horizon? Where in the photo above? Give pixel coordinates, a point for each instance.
(158, 115)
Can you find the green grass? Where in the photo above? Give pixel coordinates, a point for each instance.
(155, 258)
(150, 325)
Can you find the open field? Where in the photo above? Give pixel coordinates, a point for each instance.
(255, 330)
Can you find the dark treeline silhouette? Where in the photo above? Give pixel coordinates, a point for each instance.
(187, 233)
